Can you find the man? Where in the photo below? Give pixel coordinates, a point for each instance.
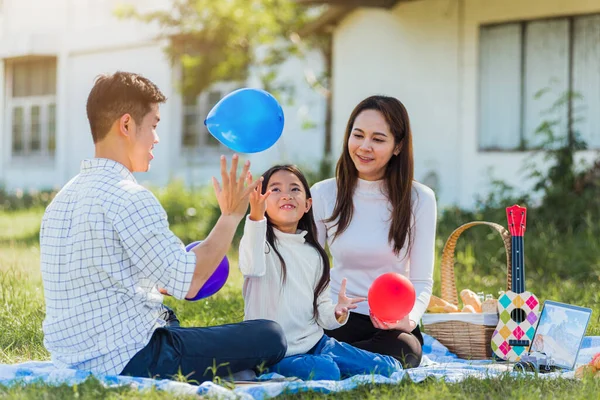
(106, 248)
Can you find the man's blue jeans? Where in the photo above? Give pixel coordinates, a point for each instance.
(333, 360)
(202, 353)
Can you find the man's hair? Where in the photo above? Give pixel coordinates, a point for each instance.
(115, 95)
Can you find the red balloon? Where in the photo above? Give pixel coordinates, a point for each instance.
(391, 297)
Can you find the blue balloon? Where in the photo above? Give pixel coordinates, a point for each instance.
(246, 120)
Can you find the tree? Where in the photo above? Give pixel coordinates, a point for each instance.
(218, 40)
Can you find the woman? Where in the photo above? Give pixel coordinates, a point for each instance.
(375, 219)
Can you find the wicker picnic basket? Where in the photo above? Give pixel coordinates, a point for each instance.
(466, 339)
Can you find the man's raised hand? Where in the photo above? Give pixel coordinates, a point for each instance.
(233, 193)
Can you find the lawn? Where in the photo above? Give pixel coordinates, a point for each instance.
(22, 313)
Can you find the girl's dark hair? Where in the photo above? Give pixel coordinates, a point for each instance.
(306, 223)
(399, 172)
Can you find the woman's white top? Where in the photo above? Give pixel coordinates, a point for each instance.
(362, 252)
(289, 304)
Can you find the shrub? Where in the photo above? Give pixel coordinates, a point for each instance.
(20, 199)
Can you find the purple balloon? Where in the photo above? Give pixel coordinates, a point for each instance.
(216, 280)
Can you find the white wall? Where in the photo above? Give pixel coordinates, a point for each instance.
(425, 53)
(31, 27)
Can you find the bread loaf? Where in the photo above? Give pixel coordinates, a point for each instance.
(438, 305)
(470, 298)
(436, 301)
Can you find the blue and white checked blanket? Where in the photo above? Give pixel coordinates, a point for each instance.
(437, 362)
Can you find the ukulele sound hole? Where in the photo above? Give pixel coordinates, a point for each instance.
(518, 315)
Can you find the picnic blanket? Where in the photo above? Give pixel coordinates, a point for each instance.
(437, 362)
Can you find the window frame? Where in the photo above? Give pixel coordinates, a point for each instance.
(571, 118)
(30, 157)
(202, 153)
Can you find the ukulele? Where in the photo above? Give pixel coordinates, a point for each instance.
(518, 309)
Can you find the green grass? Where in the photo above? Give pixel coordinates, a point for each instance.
(22, 313)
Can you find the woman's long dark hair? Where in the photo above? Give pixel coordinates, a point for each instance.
(399, 172)
(306, 223)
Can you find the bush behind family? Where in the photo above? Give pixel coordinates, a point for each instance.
(563, 217)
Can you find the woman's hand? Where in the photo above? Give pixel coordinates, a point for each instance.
(258, 204)
(345, 303)
(405, 324)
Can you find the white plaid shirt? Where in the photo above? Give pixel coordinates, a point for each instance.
(105, 248)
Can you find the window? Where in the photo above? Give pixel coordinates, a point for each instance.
(196, 109)
(526, 68)
(31, 103)
(196, 140)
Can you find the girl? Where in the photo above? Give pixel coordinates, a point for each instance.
(286, 279)
(374, 192)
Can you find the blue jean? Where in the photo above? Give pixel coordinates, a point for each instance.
(333, 360)
(202, 353)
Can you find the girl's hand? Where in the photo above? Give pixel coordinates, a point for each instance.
(345, 303)
(258, 205)
(405, 324)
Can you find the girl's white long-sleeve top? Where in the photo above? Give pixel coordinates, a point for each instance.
(291, 303)
(363, 252)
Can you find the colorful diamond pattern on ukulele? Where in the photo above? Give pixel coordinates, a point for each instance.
(504, 301)
(504, 332)
(531, 332)
(518, 302)
(532, 302)
(505, 316)
(519, 349)
(518, 332)
(532, 318)
(504, 348)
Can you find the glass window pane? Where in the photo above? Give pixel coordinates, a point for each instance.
(213, 98)
(190, 100)
(500, 87)
(52, 129)
(20, 80)
(586, 79)
(50, 81)
(18, 127)
(34, 78)
(36, 131)
(190, 131)
(546, 68)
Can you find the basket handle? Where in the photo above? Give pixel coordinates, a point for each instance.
(449, 292)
